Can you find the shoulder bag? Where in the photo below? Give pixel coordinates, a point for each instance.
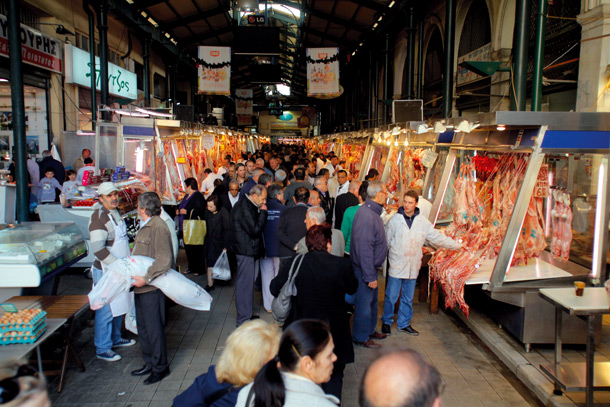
(280, 306)
(193, 230)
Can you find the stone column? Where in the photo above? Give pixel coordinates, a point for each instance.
(594, 65)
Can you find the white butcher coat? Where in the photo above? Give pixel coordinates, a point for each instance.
(405, 245)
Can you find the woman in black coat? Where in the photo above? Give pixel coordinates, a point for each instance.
(217, 236)
(322, 282)
(192, 206)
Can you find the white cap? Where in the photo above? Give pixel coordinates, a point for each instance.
(106, 188)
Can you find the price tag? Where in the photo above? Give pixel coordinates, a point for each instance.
(9, 307)
(429, 158)
(208, 141)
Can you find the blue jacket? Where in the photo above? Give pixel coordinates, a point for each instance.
(272, 243)
(247, 187)
(206, 386)
(368, 247)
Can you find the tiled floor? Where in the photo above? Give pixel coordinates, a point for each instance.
(473, 376)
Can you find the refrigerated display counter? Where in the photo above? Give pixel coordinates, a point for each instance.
(527, 194)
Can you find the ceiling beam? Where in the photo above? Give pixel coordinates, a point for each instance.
(369, 4)
(206, 36)
(322, 35)
(141, 4)
(193, 18)
(333, 19)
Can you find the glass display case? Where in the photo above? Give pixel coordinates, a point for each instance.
(33, 252)
(527, 196)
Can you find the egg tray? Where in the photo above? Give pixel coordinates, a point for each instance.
(13, 340)
(22, 327)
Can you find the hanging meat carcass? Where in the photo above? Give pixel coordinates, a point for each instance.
(480, 222)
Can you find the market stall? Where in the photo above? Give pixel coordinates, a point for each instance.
(508, 191)
(78, 209)
(33, 254)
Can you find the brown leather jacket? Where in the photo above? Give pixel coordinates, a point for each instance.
(154, 241)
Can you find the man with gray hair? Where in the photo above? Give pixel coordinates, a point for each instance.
(368, 250)
(248, 219)
(315, 216)
(400, 378)
(153, 240)
(320, 184)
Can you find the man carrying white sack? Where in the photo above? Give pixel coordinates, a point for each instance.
(108, 234)
(153, 240)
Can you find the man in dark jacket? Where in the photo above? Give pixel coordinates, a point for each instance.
(368, 252)
(253, 180)
(291, 227)
(344, 201)
(299, 176)
(248, 219)
(270, 265)
(58, 167)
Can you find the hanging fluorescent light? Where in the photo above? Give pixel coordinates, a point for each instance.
(128, 113)
(152, 112)
(85, 133)
(392, 4)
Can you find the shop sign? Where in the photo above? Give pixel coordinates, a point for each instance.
(323, 72)
(121, 82)
(465, 76)
(214, 70)
(244, 102)
(37, 49)
(208, 141)
(244, 120)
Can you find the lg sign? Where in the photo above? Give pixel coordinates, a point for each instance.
(254, 19)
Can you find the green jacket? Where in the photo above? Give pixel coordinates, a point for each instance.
(346, 225)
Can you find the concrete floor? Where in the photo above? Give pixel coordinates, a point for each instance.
(472, 374)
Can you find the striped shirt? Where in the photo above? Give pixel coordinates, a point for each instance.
(101, 233)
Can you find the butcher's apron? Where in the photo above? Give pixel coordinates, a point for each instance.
(120, 249)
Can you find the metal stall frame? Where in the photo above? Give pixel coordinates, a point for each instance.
(555, 133)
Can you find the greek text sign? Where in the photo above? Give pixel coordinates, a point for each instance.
(36, 48)
(121, 82)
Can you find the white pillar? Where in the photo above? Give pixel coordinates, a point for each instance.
(594, 64)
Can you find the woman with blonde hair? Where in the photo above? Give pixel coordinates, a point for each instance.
(247, 349)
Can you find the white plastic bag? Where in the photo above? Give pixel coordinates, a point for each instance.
(110, 286)
(183, 291)
(117, 280)
(130, 318)
(221, 270)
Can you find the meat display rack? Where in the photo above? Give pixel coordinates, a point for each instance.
(580, 142)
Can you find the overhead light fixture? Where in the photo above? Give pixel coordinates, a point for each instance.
(422, 128)
(439, 127)
(396, 131)
(85, 133)
(61, 30)
(380, 18)
(3, 80)
(152, 112)
(375, 25)
(128, 113)
(463, 126)
(353, 53)
(501, 127)
(392, 4)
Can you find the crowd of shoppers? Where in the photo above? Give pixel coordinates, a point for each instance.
(261, 211)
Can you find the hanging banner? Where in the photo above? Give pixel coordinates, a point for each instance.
(214, 70)
(37, 49)
(323, 72)
(243, 102)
